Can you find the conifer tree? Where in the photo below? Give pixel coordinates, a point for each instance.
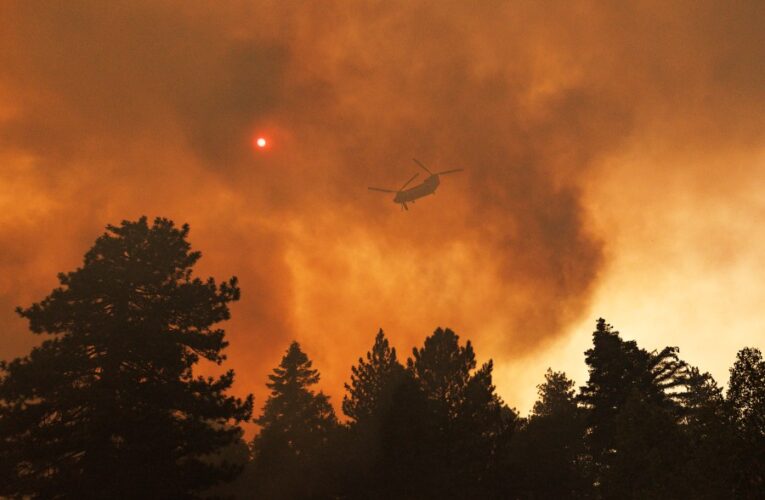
(746, 397)
(108, 405)
(550, 444)
(706, 424)
(373, 382)
(368, 403)
(556, 396)
(633, 400)
(296, 426)
(465, 415)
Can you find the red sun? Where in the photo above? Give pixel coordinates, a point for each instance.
(261, 142)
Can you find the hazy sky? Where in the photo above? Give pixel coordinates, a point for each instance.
(614, 157)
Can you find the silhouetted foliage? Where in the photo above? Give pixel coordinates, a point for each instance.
(373, 382)
(109, 407)
(556, 397)
(296, 426)
(709, 436)
(632, 397)
(550, 444)
(746, 396)
(406, 453)
(645, 426)
(467, 424)
(434, 430)
(368, 404)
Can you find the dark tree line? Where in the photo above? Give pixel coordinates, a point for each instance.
(646, 425)
(108, 406)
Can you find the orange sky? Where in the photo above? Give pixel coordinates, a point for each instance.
(614, 160)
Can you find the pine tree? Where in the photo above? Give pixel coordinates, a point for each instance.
(746, 391)
(550, 444)
(746, 397)
(707, 425)
(556, 396)
(467, 418)
(296, 426)
(633, 402)
(368, 403)
(373, 382)
(108, 406)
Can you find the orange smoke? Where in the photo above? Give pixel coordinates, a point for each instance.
(114, 111)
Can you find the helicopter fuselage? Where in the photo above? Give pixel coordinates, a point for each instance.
(427, 187)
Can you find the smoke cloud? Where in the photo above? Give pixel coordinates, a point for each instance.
(109, 111)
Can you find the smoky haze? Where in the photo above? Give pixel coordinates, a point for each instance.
(114, 110)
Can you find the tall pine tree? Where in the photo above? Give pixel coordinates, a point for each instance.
(746, 397)
(368, 403)
(108, 406)
(633, 400)
(709, 435)
(296, 426)
(467, 419)
(373, 382)
(550, 444)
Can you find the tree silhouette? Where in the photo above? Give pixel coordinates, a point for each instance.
(466, 418)
(649, 453)
(373, 382)
(710, 439)
(550, 444)
(109, 407)
(296, 425)
(633, 403)
(556, 396)
(746, 397)
(368, 403)
(406, 452)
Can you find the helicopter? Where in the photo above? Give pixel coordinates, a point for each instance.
(428, 186)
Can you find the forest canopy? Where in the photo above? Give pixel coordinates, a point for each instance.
(109, 406)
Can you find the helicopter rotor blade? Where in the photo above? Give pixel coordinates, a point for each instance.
(382, 190)
(410, 180)
(450, 171)
(418, 162)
